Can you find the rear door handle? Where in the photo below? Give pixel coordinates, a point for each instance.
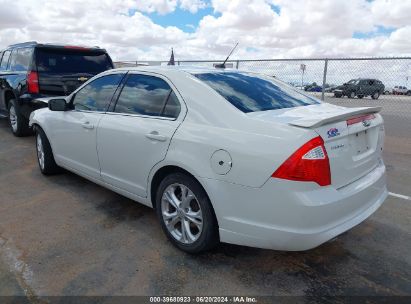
(87, 125)
(154, 135)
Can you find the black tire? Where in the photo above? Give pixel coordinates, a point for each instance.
(375, 95)
(49, 165)
(208, 237)
(19, 124)
(352, 94)
(360, 96)
(409, 93)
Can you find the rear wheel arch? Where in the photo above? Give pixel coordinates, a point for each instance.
(9, 95)
(161, 173)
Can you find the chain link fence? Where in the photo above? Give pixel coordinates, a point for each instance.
(350, 82)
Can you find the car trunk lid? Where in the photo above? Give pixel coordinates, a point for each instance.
(353, 137)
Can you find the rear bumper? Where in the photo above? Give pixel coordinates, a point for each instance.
(294, 216)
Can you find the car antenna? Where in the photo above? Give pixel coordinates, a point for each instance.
(222, 65)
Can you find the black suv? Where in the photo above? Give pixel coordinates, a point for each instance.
(360, 87)
(31, 70)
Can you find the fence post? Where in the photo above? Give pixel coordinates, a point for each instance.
(238, 62)
(324, 78)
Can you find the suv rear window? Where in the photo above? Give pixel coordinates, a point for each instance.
(71, 61)
(252, 93)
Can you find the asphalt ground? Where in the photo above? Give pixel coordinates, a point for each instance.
(64, 235)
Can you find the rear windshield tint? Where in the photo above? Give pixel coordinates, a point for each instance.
(68, 61)
(252, 93)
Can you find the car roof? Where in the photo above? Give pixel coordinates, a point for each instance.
(172, 70)
(51, 45)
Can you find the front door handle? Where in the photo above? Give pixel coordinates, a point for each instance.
(154, 135)
(87, 125)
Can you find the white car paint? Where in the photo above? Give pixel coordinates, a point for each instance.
(252, 208)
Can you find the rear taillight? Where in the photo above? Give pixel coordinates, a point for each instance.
(309, 163)
(33, 83)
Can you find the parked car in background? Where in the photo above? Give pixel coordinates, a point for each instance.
(31, 70)
(313, 88)
(201, 146)
(360, 88)
(330, 88)
(299, 87)
(401, 90)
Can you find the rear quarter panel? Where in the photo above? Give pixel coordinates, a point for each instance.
(255, 156)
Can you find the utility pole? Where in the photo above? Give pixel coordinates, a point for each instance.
(302, 68)
(324, 79)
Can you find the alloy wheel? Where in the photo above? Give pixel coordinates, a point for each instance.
(13, 118)
(40, 151)
(181, 213)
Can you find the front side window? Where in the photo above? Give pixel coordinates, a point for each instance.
(252, 93)
(5, 60)
(96, 95)
(147, 95)
(20, 60)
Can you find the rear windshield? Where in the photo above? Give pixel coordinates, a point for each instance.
(68, 61)
(252, 93)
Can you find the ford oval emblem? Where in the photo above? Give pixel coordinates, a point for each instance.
(366, 123)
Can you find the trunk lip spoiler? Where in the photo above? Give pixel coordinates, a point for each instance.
(314, 122)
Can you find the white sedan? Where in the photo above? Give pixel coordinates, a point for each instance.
(221, 155)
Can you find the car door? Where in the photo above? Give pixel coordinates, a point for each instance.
(136, 135)
(74, 132)
(362, 87)
(372, 87)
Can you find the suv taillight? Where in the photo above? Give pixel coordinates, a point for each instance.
(309, 163)
(33, 83)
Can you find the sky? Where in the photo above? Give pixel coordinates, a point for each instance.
(208, 29)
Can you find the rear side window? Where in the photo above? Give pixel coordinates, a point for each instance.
(96, 95)
(251, 93)
(147, 95)
(21, 59)
(71, 61)
(5, 60)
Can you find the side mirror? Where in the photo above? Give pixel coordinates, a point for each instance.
(57, 105)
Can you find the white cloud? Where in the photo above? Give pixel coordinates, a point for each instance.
(192, 5)
(302, 29)
(395, 13)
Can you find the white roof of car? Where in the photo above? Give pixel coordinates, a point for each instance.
(173, 69)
